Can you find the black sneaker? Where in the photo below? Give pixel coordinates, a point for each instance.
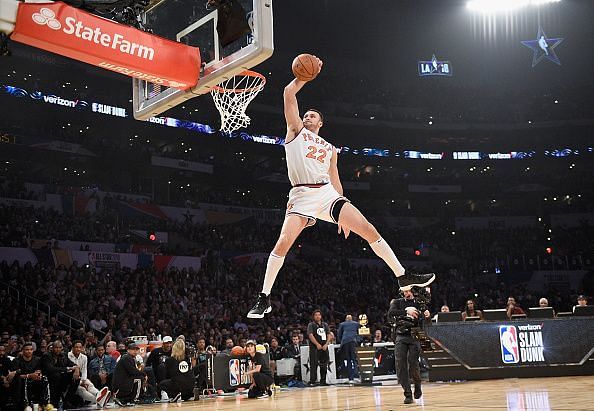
(418, 392)
(408, 400)
(408, 281)
(261, 307)
(176, 398)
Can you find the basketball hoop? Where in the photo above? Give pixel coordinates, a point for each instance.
(232, 96)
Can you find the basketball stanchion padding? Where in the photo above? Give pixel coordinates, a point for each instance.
(232, 96)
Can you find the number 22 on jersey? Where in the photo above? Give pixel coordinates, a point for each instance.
(316, 153)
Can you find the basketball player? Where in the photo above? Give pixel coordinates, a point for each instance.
(317, 194)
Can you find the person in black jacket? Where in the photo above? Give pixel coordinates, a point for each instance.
(27, 371)
(179, 375)
(6, 378)
(260, 372)
(405, 313)
(63, 376)
(127, 377)
(293, 350)
(158, 356)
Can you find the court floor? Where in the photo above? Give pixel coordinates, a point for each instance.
(538, 394)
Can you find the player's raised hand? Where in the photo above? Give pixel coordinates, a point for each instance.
(320, 63)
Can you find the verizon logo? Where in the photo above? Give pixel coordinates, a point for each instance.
(59, 101)
(94, 35)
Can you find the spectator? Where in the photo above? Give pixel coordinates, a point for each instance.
(582, 300)
(228, 346)
(293, 350)
(470, 311)
(86, 390)
(317, 332)
(378, 336)
(275, 354)
(90, 344)
(112, 350)
(201, 349)
(97, 323)
(127, 378)
(101, 368)
(123, 333)
(158, 356)
(179, 374)
(512, 308)
(63, 376)
(543, 303)
(260, 373)
(348, 335)
(28, 384)
(239, 325)
(41, 348)
(6, 377)
(444, 309)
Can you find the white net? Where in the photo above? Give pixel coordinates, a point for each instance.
(232, 97)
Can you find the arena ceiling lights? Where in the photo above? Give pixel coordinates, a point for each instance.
(494, 6)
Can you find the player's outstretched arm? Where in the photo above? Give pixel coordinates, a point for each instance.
(294, 122)
(333, 171)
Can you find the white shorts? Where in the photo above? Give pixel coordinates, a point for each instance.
(314, 203)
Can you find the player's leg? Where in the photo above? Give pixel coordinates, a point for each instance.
(292, 227)
(350, 218)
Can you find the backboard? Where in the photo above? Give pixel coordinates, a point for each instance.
(233, 36)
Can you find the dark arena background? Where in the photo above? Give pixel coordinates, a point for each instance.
(465, 132)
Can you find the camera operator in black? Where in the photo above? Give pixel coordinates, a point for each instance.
(317, 333)
(405, 314)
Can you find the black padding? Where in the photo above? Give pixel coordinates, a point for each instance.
(335, 212)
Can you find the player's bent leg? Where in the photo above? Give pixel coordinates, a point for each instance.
(292, 227)
(352, 219)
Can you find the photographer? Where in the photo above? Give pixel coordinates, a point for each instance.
(405, 314)
(179, 374)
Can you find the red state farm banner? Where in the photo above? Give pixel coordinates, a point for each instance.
(73, 33)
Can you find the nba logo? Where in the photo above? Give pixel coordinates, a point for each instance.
(508, 338)
(234, 377)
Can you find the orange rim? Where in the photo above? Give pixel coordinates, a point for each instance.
(246, 73)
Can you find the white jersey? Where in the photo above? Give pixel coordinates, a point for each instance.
(308, 158)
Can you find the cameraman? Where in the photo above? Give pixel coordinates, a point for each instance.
(179, 374)
(405, 314)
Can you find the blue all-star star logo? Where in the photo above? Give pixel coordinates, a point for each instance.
(543, 47)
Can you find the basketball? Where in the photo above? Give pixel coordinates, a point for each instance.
(237, 351)
(305, 67)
